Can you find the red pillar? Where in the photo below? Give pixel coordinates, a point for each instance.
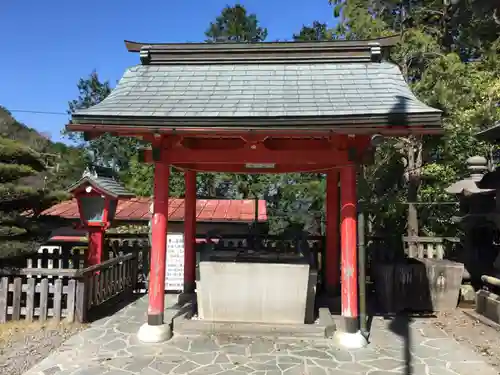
(348, 239)
(190, 232)
(96, 246)
(158, 245)
(331, 261)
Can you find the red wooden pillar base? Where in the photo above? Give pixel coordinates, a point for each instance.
(96, 246)
(190, 232)
(348, 237)
(158, 245)
(331, 264)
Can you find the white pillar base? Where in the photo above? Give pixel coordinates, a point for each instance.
(350, 340)
(154, 334)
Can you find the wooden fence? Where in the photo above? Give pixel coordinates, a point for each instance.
(56, 282)
(428, 247)
(29, 292)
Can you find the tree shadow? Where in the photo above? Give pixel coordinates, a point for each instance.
(401, 326)
(397, 279)
(112, 306)
(402, 291)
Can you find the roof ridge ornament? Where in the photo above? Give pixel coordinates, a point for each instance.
(89, 173)
(96, 171)
(376, 53)
(372, 50)
(145, 55)
(103, 179)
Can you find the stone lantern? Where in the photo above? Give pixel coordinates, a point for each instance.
(477, 218)
(474, 200)
(97, 194)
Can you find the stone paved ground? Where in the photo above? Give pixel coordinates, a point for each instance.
(110, 347)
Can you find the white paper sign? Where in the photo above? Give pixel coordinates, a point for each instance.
(174, 275)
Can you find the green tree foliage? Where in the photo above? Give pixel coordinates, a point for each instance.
(20, 203)
(120, 153)
(234, 24)
(65, 166)
(449, 55)
(107, 150)
(296, 200)
(317, 31)
(139, 179)
(64, 163)
(34, 173)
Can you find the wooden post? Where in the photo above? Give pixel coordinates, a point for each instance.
(331, 265)
(70, 304)
(96, 246)
(190, 232)
(16, 298)
(44, 300)
(58, 292)
(30, 299)
(81, 301)
(4, 293)
(348, 238)
(158, 245)
(362, 272)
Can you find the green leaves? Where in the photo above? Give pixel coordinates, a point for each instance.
(20, 198)
(106, 150)
(13, 172)
(337, 9)
(91, 92)
(14, 152)
(33, 170)
(318, 31)
(450, 56)
(235, 25)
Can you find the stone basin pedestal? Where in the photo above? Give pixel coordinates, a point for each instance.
(262, 288)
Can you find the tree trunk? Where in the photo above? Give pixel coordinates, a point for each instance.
(413, 178)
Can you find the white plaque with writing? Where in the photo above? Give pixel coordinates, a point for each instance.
(174, 275)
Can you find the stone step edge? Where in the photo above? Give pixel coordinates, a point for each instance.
(488, 305)
(183, 325)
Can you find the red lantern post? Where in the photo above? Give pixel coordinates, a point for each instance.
(97, 194)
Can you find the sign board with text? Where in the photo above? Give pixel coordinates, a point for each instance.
(174, 275)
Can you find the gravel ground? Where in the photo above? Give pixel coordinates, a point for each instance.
(22, 345)
(484, 338)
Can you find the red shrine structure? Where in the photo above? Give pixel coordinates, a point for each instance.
(261, 108)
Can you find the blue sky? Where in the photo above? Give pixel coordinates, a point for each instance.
(47, 45)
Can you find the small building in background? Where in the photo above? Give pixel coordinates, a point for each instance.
(222, 216)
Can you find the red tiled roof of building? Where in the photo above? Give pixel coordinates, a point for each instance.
(137, 209)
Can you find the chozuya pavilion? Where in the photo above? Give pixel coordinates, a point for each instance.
(260, 108)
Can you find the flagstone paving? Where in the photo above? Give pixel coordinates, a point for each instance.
(110, 347)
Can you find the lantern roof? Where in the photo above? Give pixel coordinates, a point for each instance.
(491, 134)
(329, 85)
(102, 179)
(477, 165)
(490, 180)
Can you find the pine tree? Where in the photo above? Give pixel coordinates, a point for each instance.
(235, 25)
(316, 32)
(20, 203)
(108, 150)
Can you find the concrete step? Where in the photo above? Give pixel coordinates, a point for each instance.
(183, 325)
